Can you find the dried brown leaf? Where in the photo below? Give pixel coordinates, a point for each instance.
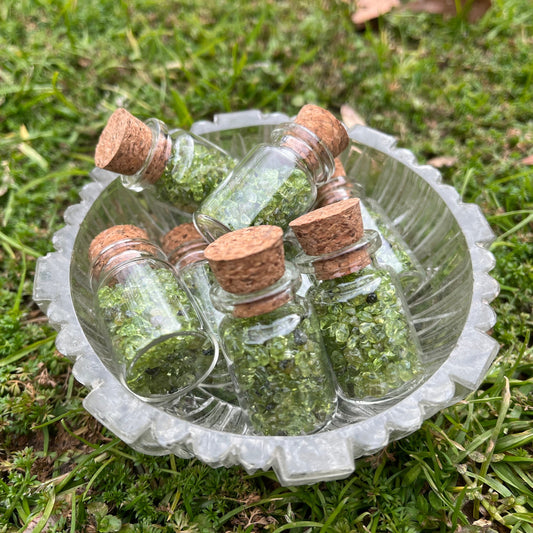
(370, 9)
(43, 377)
(435, 7)
(527, 160)
(443, 161)
(482, 523)
(475, 10)
(6, 179)
(478, 9)
(34, 522)
(351, 117)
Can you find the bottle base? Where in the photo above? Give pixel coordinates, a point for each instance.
(210, 228)
(369, 406)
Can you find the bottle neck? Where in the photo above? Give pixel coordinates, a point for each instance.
(335, 190)
(120, 253)
(258, 302)
(187, 254)
(348, 260)
(156, 160)
(310, 151)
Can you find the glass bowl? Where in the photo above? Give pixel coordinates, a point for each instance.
(447, 238)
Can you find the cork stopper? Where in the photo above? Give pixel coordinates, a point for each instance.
(247, 260)
(181, 240)
(342, 265)
(99, 254)
(339, 169)
(329, 229)
(262, 306)
(325, 126)
(124, 146)
(336, 189)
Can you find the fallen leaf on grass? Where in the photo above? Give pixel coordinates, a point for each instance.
(443, 161)
(435, 7)
(35, 523)
(483, 523)
(6, 179)
(478, 9)
(370, 9)
(527, 160)
(448, 8)
(351, 117)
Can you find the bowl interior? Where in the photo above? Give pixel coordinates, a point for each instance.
(412, 209)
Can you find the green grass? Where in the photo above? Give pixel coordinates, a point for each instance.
(441, 87)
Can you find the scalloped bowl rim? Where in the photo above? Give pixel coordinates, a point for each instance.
(296, 460)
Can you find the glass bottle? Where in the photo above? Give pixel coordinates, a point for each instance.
(393, 252)
(269, 335)
(336, 189)
(366, 326)
(180, 168)
(276, 182)
(184, 247)
(159, 348)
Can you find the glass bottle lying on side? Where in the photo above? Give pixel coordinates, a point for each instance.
(365, 323)
(178, 166)
(393, 251)
(276, 182)
(184, 247)
(270, 335)
(159, 348)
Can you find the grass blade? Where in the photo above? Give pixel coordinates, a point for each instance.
(25, 351)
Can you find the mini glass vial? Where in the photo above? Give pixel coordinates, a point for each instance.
(366, 325)
(393, 252)
(159, 348)
(184, 247)
(336, 189)
(276, 182)
(178, 166)
(269, 335)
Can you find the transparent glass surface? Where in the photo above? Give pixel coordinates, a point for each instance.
(450, 311)
(270, 186)
(194, 169)
(393, 252)
(158, 348)
(281, 371)
(198, 279)
(369, 336)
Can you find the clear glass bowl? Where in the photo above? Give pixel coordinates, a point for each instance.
(448, 238)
